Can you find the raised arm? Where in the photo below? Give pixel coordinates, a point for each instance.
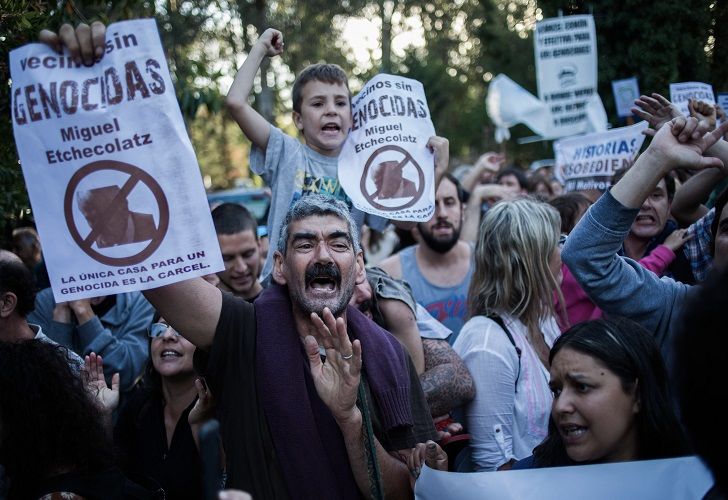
(491, 193)
(687, 206)
(681, 144)
(488, 162)
(619, 285)
(192, 307)
(253, 125)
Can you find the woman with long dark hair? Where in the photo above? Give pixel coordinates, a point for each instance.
(611, 398)
(53, 436)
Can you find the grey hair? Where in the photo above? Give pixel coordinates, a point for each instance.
(317, 205)
(512, 275)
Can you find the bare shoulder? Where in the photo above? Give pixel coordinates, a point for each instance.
(392, 265)
(394, 308)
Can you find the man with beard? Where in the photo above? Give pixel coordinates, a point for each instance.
(439, 269)
(314, 399)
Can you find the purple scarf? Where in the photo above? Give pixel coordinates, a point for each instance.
(307, 440)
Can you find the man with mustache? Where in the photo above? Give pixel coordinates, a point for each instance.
(440, 267)
(309, 392)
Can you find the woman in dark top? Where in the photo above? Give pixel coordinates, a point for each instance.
(53, 441)
(153, 432)
(611, 398)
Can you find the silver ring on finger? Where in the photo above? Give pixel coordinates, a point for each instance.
(347, 357)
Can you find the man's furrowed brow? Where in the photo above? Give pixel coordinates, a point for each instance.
(340, 234)
(303, 235)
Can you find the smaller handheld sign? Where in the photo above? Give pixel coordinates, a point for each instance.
(625, 92)
(680, 93)
(385, 166)
(586, 162)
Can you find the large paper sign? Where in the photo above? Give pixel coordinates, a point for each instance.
(384, 165)
(625, 92)
(566, 70)
(669, 479)
(112, 178)
(589, 161)
(680, 93)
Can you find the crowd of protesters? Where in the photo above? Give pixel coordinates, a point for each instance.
(474, 349)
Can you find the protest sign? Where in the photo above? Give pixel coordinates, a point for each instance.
(566, 71)
(667, 479)
(625, 92)
(722, 99)
(508, 104)
(680, 93)
(385, 166)
(589, 161)
(112, 177)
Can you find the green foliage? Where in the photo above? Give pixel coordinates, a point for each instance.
(20, 23)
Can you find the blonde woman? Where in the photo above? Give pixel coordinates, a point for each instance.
(505, 343)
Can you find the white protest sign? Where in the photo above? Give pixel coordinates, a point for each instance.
(680, 93)
(625, 92)
(566, 71)
(385, 166)
(112, 178)
(669, 479)
(589, 161)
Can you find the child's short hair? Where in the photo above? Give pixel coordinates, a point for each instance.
(322, 72)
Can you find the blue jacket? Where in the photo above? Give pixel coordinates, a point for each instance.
(119, 336)
(619, 285)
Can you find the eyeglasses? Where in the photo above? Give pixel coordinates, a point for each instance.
(156, 330)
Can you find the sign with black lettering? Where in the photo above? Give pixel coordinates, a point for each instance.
(681, 93)
(113, 181)
(588, 162)
(566, 71)
(384, 165)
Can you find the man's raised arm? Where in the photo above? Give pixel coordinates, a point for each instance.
(192, 307)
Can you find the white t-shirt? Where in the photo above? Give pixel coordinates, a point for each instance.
(505, 424)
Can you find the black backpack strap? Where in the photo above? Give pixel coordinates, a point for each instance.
(502, 324)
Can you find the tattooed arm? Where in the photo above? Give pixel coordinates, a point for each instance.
(446, 381)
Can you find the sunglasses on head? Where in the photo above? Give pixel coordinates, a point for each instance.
(158, 329)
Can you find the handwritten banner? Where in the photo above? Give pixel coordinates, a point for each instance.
(566, 71)
(586, 162)
(681, 93)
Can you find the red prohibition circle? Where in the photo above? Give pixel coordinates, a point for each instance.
(136, 175)
(407, 158)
